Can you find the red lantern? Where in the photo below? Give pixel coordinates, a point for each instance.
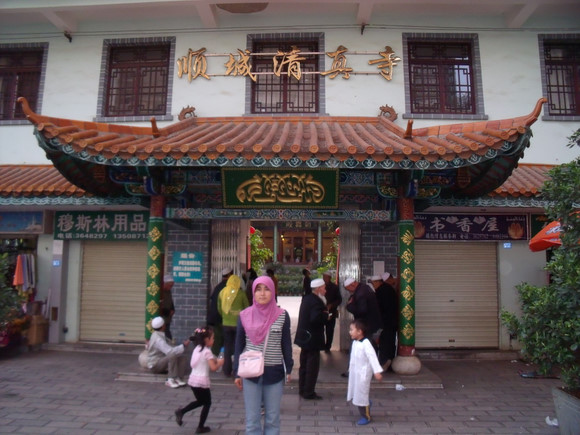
(252, 230)
(337, 231)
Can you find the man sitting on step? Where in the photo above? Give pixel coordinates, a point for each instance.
(162, 356)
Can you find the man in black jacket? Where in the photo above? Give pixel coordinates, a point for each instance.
(213, 316)
(312, 319)
(363, 305)
(389, 308)
(333, 301)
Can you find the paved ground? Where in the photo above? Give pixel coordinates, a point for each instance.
(63, 392)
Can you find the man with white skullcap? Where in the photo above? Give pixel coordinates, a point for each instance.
(312, 319)
(162, 356)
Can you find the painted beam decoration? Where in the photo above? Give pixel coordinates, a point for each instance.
(458, 227)
(267, 188)
(194, 63)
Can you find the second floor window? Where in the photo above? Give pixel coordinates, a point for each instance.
(284, 93)
(137, 80)
(441, 77)
(20, 72)
(562, 76)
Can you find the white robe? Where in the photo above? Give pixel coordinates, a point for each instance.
(363, 363)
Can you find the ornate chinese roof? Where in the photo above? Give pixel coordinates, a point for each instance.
(485, 151)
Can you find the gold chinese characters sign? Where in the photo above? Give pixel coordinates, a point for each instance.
(194, 64)
(267, 188)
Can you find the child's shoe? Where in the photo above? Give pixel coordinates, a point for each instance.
(179, 416)
(363, 421)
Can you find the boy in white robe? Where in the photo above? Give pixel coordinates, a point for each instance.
(363, 363)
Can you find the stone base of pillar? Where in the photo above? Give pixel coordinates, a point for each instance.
(406, 365)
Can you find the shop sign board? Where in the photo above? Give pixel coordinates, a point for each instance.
(21, 222)
(187, 266)
(101, 225)
(280, 188)
(480, 227)
(537, 222)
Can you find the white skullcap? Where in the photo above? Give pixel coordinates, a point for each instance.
(376, 278)
(227, 271)
(386, 276)
(168, 278)
(315, 283)
(348, 282)
(157, 322)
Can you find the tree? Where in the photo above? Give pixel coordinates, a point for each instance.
(9, 300)
(549, 328)
(258, 251)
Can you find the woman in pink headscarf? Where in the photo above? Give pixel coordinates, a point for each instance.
(264, 318)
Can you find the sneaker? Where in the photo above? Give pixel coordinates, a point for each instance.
(179, 416)
(180, 382)
(171, 383)
(363, 421)
(203, 429)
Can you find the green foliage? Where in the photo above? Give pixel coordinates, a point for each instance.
(574, 140)
(9, 299)
(549, 328)
(259, 253)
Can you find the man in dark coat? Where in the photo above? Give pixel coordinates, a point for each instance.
(312, 318)
(363, 305)
(389, 308)
(306, 289)
(333, 301)
(213, 316)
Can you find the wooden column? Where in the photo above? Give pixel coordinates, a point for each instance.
(155, 258)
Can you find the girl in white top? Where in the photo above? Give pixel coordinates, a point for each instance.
(202, 361)
(363, 363)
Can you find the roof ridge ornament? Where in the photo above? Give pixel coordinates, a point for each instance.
(154, 129)
(388, 112)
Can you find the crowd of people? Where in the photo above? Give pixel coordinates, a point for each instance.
(244, 315)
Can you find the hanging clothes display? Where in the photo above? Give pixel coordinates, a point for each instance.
(25, 274)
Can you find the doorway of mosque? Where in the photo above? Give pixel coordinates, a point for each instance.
(297, 242)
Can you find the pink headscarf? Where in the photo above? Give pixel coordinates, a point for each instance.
(258, 318)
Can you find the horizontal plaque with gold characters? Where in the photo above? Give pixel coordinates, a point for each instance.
(279, 188)
(457, 227)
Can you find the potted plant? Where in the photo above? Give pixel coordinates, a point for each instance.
(549, 327)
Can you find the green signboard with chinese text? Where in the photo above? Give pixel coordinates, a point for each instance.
(279, 188)
(101, 225)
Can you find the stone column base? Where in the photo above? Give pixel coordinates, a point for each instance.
(406, 365)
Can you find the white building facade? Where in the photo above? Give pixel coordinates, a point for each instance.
(435, 63)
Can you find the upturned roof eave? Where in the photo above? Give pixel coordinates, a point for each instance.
(305, 141)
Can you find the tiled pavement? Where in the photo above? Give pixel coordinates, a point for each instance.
(64, 392)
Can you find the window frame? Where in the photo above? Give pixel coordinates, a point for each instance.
(288, 38)
(476, 79)
(36, 106)
(552, 38)
(108, 46)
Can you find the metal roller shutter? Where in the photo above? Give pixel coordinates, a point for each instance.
(456, 295)
(113, 291)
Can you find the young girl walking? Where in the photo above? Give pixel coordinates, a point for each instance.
(363, 363)
(202, 361)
